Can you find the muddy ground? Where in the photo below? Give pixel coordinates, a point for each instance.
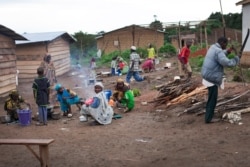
(148, 136)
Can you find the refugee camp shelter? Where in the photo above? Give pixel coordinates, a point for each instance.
(124, 38)
(245, 59)
(30, 53)
(8, 69)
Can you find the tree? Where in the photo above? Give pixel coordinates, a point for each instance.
(85, 45)
(156, 25)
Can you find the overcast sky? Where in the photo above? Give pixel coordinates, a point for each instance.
(92, 16)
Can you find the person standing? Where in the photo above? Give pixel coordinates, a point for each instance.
(134, 67)
(213, 71)
(50, 73)
(183, 63)
(113, 65)
(151, 53)
(92, 63)
(49, 69)
(41, 91)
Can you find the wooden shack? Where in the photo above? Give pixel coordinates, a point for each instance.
(31, 53)
(124, 38)
(8, 69)
(245, 59)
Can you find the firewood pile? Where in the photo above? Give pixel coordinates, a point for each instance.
(179, 92)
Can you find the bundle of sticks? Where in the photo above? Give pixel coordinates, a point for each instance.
(177, 91)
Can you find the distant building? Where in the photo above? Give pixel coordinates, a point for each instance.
(124, 38)
(31, 53)
(8, 70)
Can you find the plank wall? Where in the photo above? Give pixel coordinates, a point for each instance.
(7, 65)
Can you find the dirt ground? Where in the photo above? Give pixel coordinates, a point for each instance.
(148, 136)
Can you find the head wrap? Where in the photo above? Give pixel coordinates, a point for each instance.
(58, 86)
(133, 48)
(14, 92)
(120, 80)
(99, 84)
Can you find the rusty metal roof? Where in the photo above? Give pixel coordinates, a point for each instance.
(46, 37)
(10, 33)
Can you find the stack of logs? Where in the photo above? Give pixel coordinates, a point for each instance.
(179, 91)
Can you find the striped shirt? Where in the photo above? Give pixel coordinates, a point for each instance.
(134, 62)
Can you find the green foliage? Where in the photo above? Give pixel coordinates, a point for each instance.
(232, 20)
(85, 46)
(194, 48)
(168, 48)
(196, 62)
(156, 25)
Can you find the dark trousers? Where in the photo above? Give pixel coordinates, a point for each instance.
(211, 103)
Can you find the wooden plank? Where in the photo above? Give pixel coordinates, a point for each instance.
(30, 63)
(62, 70)
(24, 80)
(27, 75)
(6, 77)
(7, 88)
(61, 56)
(32, 57)
(7, 44)
(27, 71)
(4, 58)
(7, 64)
(28, 67)
(8, 82)
(10, 51)
(26, 141)
(7, 71)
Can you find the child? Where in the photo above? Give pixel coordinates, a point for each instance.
(41, 91)
(113, 65)
(66, 98)
(121, 65)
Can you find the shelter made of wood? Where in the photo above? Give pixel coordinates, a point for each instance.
(124, 38)
(245, 59)
(30, 53)
(8, 71)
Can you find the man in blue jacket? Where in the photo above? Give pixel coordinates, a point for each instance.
(213, 71)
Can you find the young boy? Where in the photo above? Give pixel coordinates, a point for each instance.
(41, 87)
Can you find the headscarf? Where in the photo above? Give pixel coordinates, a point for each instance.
(99, 84)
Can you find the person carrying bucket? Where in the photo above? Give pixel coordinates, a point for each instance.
(13, 103)
(123, 96)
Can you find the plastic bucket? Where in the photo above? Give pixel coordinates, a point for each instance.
(108, 94)
(24, 117)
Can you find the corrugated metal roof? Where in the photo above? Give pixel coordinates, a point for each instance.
(243, 2)
(10, 33)
(45, 37)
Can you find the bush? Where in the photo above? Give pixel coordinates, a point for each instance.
(168, 49)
